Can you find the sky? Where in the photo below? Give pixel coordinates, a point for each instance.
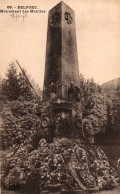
(97, 31)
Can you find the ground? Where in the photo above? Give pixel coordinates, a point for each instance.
(114, 191)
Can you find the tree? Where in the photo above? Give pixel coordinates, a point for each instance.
(19, 110)
(10, 85)
(16, 86)
(114, 112)
(94, 106)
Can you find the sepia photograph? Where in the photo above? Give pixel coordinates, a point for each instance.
(60, 97)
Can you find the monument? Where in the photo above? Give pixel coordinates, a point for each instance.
(62, 114)
(61, 54)
(44, 160)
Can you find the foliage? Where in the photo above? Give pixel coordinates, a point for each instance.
(19, 110)
(10, 85)
(62, 162)
(20, 122)
(94, 107)
(15, 85)
(114, 111)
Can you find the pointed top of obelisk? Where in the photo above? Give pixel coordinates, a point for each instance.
(61, 4)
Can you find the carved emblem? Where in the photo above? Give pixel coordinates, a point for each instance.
(54, 18)
(68, 18)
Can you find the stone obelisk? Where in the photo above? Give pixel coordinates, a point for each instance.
(61, 64)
